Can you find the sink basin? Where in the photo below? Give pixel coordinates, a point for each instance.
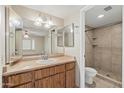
(45, 62)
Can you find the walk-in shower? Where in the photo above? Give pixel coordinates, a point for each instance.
(103, 44)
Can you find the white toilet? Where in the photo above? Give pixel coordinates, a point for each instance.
(89, 74)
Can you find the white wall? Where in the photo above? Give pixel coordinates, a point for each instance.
(2, 40)
(39, 46)
(74, 51)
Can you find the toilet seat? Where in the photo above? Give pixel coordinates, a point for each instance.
(89, 69)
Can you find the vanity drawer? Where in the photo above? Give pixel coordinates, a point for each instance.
(57, 69)
(70, 66)
(39, 74)
(19, 79)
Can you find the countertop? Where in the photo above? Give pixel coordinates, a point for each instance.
(28, 65)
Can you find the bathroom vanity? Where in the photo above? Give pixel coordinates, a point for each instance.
(27, 64)
(58, 73)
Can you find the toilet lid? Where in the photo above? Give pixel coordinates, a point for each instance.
(89, 69)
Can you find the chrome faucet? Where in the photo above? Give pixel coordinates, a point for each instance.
(44, 56)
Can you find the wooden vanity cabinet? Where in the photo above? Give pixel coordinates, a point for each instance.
(43, 83)
(58, 80)
(70, 79)
(28, 85)
(70, 75)
(59, 76)
(52, 77)
(18, 80)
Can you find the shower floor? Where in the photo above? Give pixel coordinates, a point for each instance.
(101, 83)
(110, 75)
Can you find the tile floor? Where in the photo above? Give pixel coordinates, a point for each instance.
(100, 83)
(109, 74)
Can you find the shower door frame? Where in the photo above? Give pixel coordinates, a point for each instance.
(82, 44)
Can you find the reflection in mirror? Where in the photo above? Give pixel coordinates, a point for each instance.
(60, 38)
(27, 35)
(34, 44)
(13, 36)
(69, 36)
(65, 36)
(55, 48)
(53, 41)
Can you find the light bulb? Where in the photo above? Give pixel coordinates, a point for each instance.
(47, 25)
(50, 23)
(16, 22)
(71, 31)
(39, 19)
(26, 36)
(38, 23)
(100, 16)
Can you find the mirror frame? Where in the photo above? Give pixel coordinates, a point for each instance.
(7, 38)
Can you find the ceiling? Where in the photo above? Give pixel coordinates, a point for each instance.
(62, 11)
(34, 30)
(29, 12)
(110, 17)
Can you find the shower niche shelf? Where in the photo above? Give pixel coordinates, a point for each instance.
(94, 44)
(94, 38)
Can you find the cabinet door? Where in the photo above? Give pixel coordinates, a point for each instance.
(42, 73)
(70, 78)
(20, 79)
(43, 83)
(58, 80)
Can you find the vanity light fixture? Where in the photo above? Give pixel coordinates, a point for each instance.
(16, 22)
(38, 21)
(50, 22)
(26, 35)
(100, 16)
(43, 20)
(47, 26)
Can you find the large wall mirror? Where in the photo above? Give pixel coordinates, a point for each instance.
(24, 37)
(69, 35)
(66, 36)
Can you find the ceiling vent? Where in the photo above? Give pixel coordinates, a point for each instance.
(107, 8)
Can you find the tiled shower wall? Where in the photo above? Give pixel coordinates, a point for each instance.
(106, 55)
(88, 49)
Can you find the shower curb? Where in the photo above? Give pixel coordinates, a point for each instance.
(109, 80)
